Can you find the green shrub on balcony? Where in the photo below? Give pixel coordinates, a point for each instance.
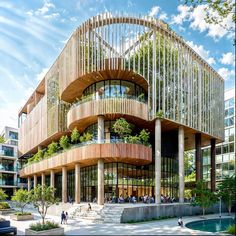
(133, 139)
(144, 136)
(86, 137)
(52, 148)
(122, 128)
(75, 136)
(64, 142)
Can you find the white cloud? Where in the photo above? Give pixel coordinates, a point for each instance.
(196, 16)
(226, 73)
(73, 19)
(44, 11)
(184, 13)
(46, 7)
(228, 58)
(163, 16)
(154, 11)
(41, 75)
(202, 52)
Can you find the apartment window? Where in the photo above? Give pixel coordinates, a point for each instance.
(231, 147)
(13, 135)
(8, 151)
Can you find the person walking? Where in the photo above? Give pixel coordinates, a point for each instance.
(63, 216)
(66, 217)
(180, 222)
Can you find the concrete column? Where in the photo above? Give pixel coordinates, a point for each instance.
(181, 164)
(35, 181)
(100, 182)
(100, 129)
(29, 183)
(158, 161)
(198, 157)
(77, 183)
(52, 179)
(43, 179)
(64, 184)
(213, 165)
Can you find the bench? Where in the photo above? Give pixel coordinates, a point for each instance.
(6, 228)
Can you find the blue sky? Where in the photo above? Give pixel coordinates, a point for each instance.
(32, 34)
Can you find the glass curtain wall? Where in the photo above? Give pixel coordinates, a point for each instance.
(115, 89)
(71, 184)
(126, 180)
(58, 185)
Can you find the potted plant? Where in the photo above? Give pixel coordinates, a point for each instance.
(42, 198)
(21, 198)
(4, 206)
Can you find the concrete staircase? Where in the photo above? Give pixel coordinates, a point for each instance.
(100, 214)
(112, 213)
(81, 212)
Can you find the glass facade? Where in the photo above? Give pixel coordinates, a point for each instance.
(225, 152)
(109, 134)
(129, 180)
(115, 89)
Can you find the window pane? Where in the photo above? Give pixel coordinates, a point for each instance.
(231, 102)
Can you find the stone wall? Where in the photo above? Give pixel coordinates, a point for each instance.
(142, 213)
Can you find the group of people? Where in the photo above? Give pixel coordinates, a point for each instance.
(147, 199)
(64, 217)
(167, 199)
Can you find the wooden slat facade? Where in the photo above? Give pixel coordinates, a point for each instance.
(87, 112)
(136, 154)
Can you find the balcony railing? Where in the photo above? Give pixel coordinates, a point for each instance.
(8, 168)
(8, 182)
(6, 153)
(88, 98)
(72, 146)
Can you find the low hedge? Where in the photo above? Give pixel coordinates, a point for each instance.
(22, 214)
(4, 205)
(232, 229)
(40, 227)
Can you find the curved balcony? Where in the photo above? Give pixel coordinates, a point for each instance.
(86, 113)
(130, 153)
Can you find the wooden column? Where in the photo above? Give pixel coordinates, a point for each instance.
(198, 157)
(64, 184)
(158, 161)
(181, 164)
(77, 183)
(35, 181)
(43, 179)
(213, 165)
(29, 183)
(100, 182)
(52, 178)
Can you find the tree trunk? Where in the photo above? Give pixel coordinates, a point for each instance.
(203, 211)
(43, 219)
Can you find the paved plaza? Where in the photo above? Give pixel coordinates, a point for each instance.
(85, 227)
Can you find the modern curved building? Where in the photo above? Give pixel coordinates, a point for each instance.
(114, 67)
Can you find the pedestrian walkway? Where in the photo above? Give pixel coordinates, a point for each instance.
(85, 227)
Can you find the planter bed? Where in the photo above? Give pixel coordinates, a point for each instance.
(6, 211)
(22, 217)
(56, 231)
